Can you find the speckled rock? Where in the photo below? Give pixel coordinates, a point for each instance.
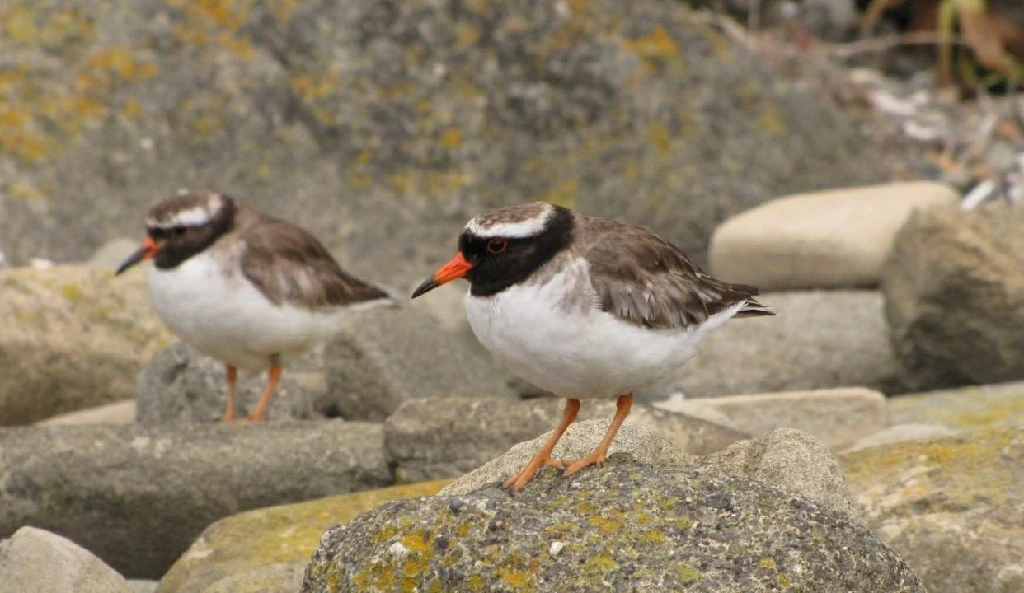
(37, 561)
(818, 340)
(447, 437)
(266, 550)
(110, 488)
(383, 125)
(953, 508)
(621, 526)
(954, 297)
(785, 457)
(180, 384)
(73, 337)
(389, 356)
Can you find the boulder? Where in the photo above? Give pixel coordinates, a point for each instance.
(73, 337)
(383, 126)
(838, 417)
(37, 561)
(830, 239)
(954, 297)
(447, 437)
(390, 356)
(818, 340)
(138, 496)
(180, 384)
(953, 508)
(623, 525)
(267, 549)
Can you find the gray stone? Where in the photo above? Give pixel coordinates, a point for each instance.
(954, 297)
(138, 496)
(838, 417)
(953, 508)
(394, 355)
(179, 383)
(37, 561)
(818, 340)
(900, 433)
(73, 337)
(623, 526)
(831, 239)
(383, 125)
(447, 437)
(122, 412)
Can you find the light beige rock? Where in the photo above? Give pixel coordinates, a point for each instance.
(839, 417)
(122, 412)
(830, 239)
(37, 561)
(785, 458)
(73, 337)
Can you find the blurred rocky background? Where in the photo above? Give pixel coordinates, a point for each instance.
(840, 154)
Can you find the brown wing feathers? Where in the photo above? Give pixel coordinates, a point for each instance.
(290, 265)
(646, 280)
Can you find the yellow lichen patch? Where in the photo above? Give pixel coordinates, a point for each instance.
(600, 564)
(688, 572)
(770, 119)
(578, 6)
(656, 48)
(767, 563)
(659, 138)
(311, 88)
(466, 35)
(514, 578)
(451, 138)
(653, 537)
(418, 542)
(72, 292)
(475, 583)
(19, 24)
(605, 525)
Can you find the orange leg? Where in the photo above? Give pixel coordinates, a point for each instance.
(229, 413)
(268, 392)
(597, 456)
(543, 456)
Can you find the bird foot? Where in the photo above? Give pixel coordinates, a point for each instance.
(595, 458)
(526, 475)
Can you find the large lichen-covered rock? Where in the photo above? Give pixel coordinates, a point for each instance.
(267, 549)
(954, 297)
(621, 526)
(138, 496)
(953, 508)
(382, 125)
(72, 337)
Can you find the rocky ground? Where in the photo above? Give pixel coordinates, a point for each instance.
(865, 439)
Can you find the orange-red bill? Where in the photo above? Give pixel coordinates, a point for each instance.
(458, 267)
(147, 251)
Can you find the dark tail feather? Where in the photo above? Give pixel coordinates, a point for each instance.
(754, 308)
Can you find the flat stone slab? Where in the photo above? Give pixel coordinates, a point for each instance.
(830, 239)
(267, 549)
(138, 496)
(967, 408)
(838, 417)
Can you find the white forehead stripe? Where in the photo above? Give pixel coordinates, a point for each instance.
(192, 217)
(519, 229)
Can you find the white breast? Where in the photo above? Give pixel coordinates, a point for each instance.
(578, 352)
(220, 313)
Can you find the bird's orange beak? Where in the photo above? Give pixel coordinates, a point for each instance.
(147, 251)
(458, 267)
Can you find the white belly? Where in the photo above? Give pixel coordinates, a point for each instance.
(226, 317)
(579, 353)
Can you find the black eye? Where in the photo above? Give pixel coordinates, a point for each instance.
(177, 231)
(496, 246)
(157, 233)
